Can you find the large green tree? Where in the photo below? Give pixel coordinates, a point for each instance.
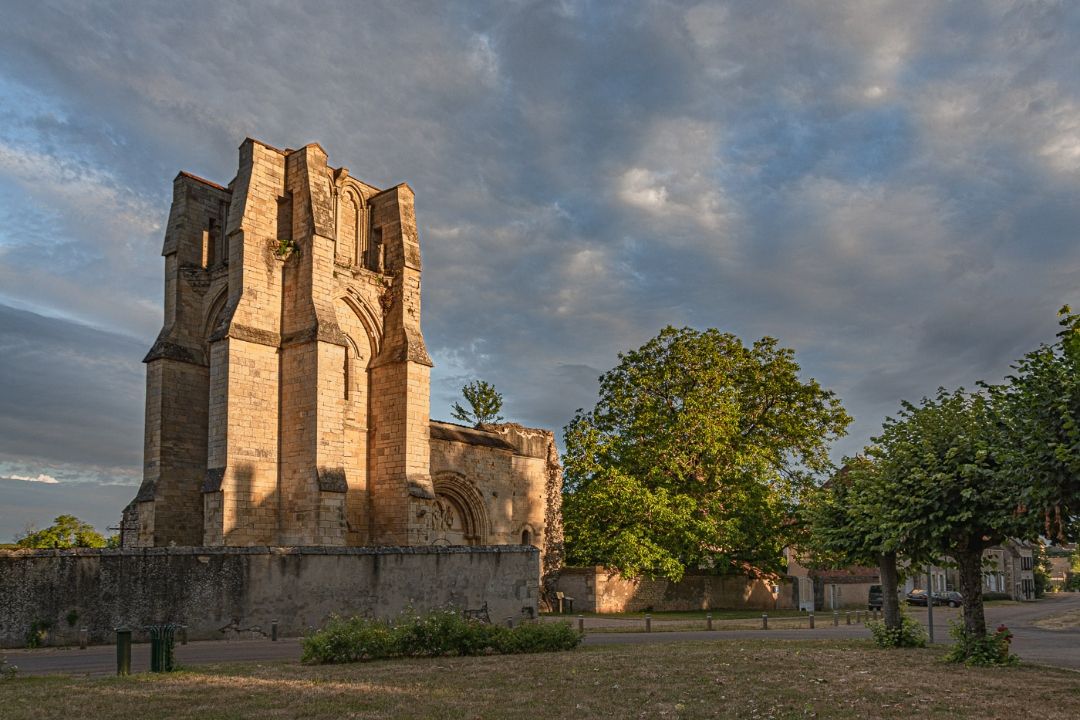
(943, 462)
(695, 455)
(844, 522)
(67, 531)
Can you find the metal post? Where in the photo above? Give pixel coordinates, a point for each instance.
(764, 621)
(811, 616)
(123, 651)
(930, 602)
(581, 623)
(858, 617)
(708, 621)
(847, 617)
(83, 636)
(273, 630)
(648, 623)
(835, 618)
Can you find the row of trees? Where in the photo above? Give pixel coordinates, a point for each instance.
(705, 453)
(960, 472)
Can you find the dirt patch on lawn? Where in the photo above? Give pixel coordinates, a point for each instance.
(1065, 621)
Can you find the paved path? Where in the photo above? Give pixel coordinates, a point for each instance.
(1033, 644)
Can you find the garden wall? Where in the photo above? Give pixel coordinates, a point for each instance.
(209, 589)
(598, 589)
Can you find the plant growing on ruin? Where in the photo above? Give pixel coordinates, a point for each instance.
(695, 456)
(284, 247)
(485, 402)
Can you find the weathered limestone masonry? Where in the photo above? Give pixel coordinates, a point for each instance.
(288, 391)
(216, 591)
(599, 589)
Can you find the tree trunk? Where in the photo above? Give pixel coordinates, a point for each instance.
(969, 565)
(890, 602)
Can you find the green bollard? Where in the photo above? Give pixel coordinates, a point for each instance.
(123, 651)
(162, 640)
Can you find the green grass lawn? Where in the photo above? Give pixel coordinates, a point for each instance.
(724, 679)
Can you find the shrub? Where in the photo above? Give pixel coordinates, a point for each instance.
(537, 637)
(981, 651)
(38, 633)
(996, 596)
(442, 632)
(7, 670)
(909, 634)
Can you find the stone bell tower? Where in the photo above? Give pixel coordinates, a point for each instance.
(287, 397)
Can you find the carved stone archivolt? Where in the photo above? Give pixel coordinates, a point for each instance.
(457, 513)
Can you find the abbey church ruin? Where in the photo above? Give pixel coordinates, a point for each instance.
(292, 470)
(287, 395)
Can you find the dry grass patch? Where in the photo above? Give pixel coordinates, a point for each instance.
(722, 678)
(1065, 621)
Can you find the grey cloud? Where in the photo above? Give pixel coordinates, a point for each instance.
(72, 394)
(887, 187)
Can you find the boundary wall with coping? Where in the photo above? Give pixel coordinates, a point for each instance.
(211, 588)
(599, 589)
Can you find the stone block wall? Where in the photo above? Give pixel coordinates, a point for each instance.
(213, 588)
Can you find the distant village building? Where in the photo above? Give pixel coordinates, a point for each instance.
(287, 395)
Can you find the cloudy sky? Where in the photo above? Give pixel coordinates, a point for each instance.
(891, 188)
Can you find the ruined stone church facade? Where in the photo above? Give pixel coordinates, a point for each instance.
(288, 393)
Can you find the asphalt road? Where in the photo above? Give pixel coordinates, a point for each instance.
(1050, 647)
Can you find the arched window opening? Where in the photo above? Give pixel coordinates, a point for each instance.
(345, 371)
(348, 228)
(209, 244)
(526, 537)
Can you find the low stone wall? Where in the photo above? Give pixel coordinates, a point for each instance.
(208, 589)
(599, 589)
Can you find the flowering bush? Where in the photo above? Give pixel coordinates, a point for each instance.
(982, 651)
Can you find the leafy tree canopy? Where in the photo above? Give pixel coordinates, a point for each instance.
(943, 462)
(67, 531)
(695, 456)
(484, 404)
(1041, 416)
(949, 491)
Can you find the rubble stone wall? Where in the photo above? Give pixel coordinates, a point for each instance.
(217, 591)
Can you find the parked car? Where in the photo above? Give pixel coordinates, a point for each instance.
(950, 598)
(873, 601)
(917, 597)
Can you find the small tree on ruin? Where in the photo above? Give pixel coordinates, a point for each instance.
(485, 402)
